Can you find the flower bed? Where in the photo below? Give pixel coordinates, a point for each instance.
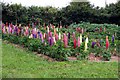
(61, 43)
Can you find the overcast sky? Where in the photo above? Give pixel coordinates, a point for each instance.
(56, 3)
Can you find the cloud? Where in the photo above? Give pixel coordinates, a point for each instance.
(57, 3)
(101, 3)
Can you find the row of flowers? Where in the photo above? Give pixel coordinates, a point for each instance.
(53, 39)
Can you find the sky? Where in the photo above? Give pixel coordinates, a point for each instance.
(56, 3)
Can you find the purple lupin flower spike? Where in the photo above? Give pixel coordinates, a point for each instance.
(15, 28)
(50, 41)
(42, 40)
(33, 35)
(40, 35)
(69, 35)
(38, 32)
(93, 44)
(112, 38)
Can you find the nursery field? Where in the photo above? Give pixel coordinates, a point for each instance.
(92, 45)
(21, 63)
(80, 41)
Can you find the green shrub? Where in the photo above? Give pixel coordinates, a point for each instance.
(14, 39)
(59, 52)
(83, 55)
(106, 55)
(5, 37)
(33, 44)
(23, 40)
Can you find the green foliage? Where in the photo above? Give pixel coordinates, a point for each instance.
(56, 51)
(5, 37)
(11, 38)
(74, 13)
(98, 51)
(106, 55)
(23, 41)
(118, 33)
(59, 52)
(83, 55)
(33, 44)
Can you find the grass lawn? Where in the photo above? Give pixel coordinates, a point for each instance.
(18, 63)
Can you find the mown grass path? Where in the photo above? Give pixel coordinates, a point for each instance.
(19, 63)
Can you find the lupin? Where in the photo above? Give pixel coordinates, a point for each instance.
(86, 41)
(78, 43)
(107, 43)
(74, 41)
